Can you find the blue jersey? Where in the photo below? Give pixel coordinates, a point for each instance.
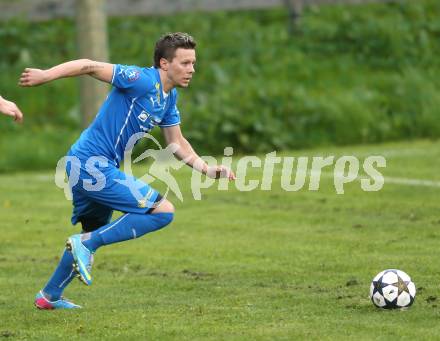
(136, 104)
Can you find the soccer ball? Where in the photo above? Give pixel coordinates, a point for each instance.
(392, 289)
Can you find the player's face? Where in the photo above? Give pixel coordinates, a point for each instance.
(181, 68)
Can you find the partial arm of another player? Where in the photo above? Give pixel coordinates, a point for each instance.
(99, 70)
(10, 108)
(185, 152)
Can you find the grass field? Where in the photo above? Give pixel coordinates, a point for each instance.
(237, 265)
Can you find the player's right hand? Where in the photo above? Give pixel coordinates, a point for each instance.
(218, 172)
(10, 108)
(32, 77)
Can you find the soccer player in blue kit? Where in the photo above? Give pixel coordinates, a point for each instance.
(141, 99)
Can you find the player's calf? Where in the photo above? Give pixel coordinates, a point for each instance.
(129, 226)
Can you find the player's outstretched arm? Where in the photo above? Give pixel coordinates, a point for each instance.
(10, 108)
(184, 151)
(98, 70)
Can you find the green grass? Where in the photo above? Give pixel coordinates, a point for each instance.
(236, 266)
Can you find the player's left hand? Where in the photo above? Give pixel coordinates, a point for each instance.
(10, 108)
(217, 172)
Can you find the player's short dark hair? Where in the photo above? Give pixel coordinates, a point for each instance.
(167, 45)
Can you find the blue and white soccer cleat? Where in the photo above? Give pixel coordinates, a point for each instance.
(82, 258)
(43, 303)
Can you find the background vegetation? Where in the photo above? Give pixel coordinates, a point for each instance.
(354, 74)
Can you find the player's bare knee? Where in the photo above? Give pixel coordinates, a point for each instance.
(164, 206)
(164, 212)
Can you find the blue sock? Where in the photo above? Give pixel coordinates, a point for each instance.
(129, 226)
(62, 276)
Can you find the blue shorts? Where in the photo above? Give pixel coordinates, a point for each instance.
(97, 191)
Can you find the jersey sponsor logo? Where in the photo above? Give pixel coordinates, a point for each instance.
(143, 116)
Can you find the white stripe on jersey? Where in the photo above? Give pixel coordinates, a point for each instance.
(114, 74)
(123, 127)
(169, 125)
